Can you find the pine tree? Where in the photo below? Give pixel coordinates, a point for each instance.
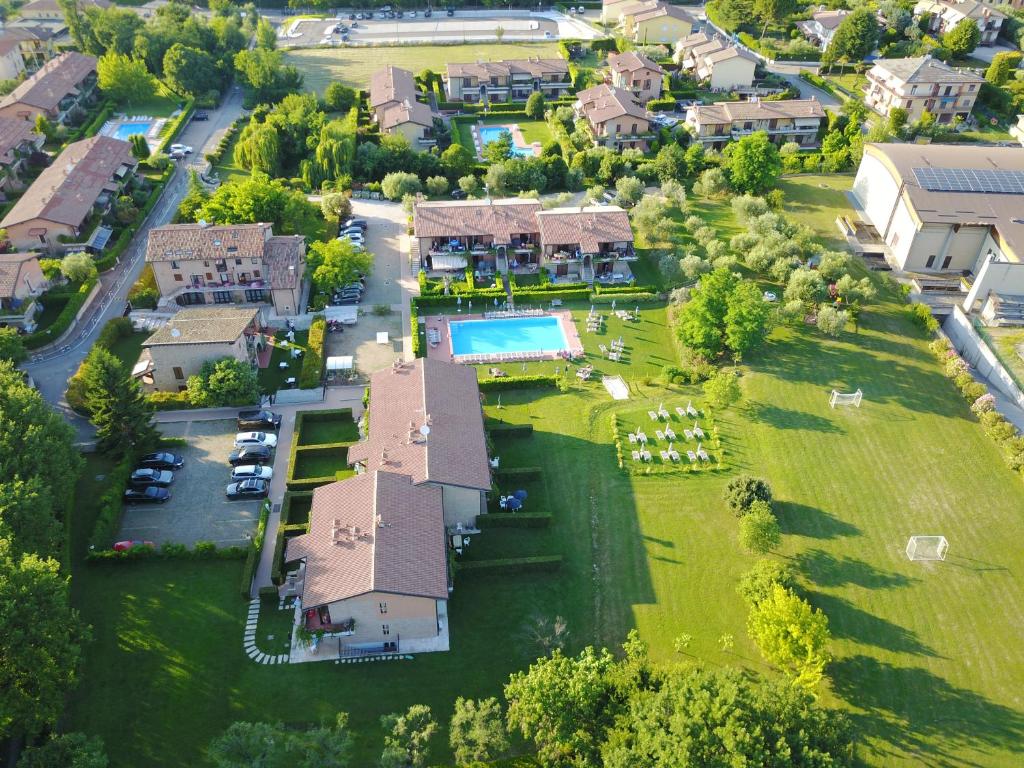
(119, 409)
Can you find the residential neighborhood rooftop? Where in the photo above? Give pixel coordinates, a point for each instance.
(925, 69)
(52, 82)
(631, 61)
(407, 111)
(500, 218)
(605, 102)
(391, 84)
(830, 19)
(13, 132)
(729, 111)
(203, 325)
(536, 67)
(174, 242)
(52, 6)
(587, 226)
(11, 265)
(283, 255)
(663, 9)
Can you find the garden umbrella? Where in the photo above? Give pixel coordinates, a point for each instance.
(495, 301)
(521, 494)
(613, 303)
(470, 306)
(514, 504)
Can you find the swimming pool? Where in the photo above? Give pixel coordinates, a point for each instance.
(123, 130)
(489, 133)
(513, 334)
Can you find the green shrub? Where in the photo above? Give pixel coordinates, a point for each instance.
(973, 390)
(64, 319)
(625, 298)
(505, 383)
(252, 556)
(510, 430)
(516, 520)
(169, 401)
(742, 491)
(922, 316)
(535, 564)
(111, 505)
(293, 501)
(313, 360)
(268, 593)
(144, 294)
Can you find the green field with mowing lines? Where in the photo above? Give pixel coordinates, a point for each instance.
(354, 66)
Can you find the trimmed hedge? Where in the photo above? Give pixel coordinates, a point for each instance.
(414, 323)
(64, 319)
(641, 298)
(291, 497)
(516, 520)
(521, 473)
(111, 506)
(169, 401)
(253, 554)
(510, 430)
(174, 128)
(602, 289)
(536, 563)
(517, 382)
(313, 360)
(277, 569)
(201, 550)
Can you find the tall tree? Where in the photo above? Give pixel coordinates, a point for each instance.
(247, 745)
(723, 389)
(854, 38)
(78, 25)
(12, 348)
(746, 318)
(701, 320)
(113, 29)
(336, 263)
(266, 75)
(266, 38)
(67, 750)
(125, 80)
(223, 382)
(791, 635)
(477, 733)
(40, 636)
(759, 530)
(962, 39)
(117, 406)
(407, 742)
(189, 71)
(27, 517)
(140, 147)
(259, 148)
(535, 106)
(770, 11)
(257, 198)
(754, 164)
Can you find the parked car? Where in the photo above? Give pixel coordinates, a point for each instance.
(412, 14)
(201, 116)
(361, 223)
(253, 488)
(351, 231)
(268, 439)
(161, 460)
(124, 546)
(358, 17)
(159, 478)
(151, 495)
(181, 148)
(249, 454)
(459, 194)
(451, 11)
(428, 13)
(258, 419)
(343, 301)
(354, 238)
(354, 16)
(246, 471)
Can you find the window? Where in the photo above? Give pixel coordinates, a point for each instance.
(256, 273)
(385, 629)
(238, 261)
(930, 263)
(177, 277)
(255, 295)
(384, 606)
(633, 129)
(209, 275)
(222, 297)
(206, 263)
(945, 261)
(178, 373)
(618, 127)
(174, 265)
(255, 260)
(232, 249)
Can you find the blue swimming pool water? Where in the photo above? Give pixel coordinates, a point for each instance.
(489, 133)
(514, 334)
(124, 130)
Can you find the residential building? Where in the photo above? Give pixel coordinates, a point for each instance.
(953, 209)
(922, 84)
(611, 10)
(715, 125)
(61, 87)
(616, 119)
(50, 10)
(21, 282)
(18, 142)
(659, 23)
(573, 244)
(231, 264)
(195, 336)
(712, 60)
(946, 14)
(822, 25)
(1017, 131)
(637, 74)
(12, 65)
(395, 108)
(511, 80)
(1014, 4)
(23, 50)
(71, 195)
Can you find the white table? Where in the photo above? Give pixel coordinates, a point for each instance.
(382, 337)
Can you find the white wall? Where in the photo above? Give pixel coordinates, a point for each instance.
(976, 352)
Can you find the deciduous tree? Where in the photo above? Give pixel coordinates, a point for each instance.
(336, 263)
(754, 164)
(12, 348)
(792, 635)
(66, 750)
(190, 71)
(266, 38)
(854, 38)
(962, 39)
(78, 267)
(399, 184)
(339, 97)
(746, 318)
(336, 205)
(457, 161)
(258, 198)
(759, 530)
(477, 731)
(223, 382)
(742, 491)
(26, 516)
(535, 106)
(723, 389)
(757, 583)
(125, 80)
(407, 742)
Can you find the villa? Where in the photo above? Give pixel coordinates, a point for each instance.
(920, 85)
(71, 195)
(946, 14)
(797, 120)
(949, 210)
(656, 23)
(18, 142)
(587, 243)
(373, 567)
(822, 25)
(61, 87)
(637, 74)
(21, 282)
(24, 49)
(712, 60)
(511, 80)
(50, 10)
(231, 264)
(395, 108)
(616, 118)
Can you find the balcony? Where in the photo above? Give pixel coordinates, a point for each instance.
(623, 254)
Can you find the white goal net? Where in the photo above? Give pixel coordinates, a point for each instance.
(843, 398)
(927, 547)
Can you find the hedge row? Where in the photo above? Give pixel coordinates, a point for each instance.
(518, 473)
(277, 568)
(517, 382)
(174, 127)
(514, 520)
(201, 550)
(217, 155)
(536, 563)
(169, 401)
(286, 505)
(313, 360)
(414, 326)
(601, 289)
(252, 556)
(93, 127)
(67, 316)
(111, 506)
(510, 430)
(641, 298)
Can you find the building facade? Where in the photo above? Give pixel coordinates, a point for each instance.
(615, 117)
(946, 14)
(637, 74)
(21, 283)
(18, 143)
(919, 85)
(710, 59)
(60, 88)
(511, 80)
(822, 25)
(395, 109)
(796, 120)
(659, 24)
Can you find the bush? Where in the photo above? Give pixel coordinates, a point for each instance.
(627, 298)
(144, 294)
(313, 360)
(518, 382)
(169, 401)
(252, 556)
(922, 316)
(756, 584)
(64, 319)
(517, 565)
(111, 505)
(742, 491)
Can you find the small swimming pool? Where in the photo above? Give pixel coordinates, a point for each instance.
(489, 133)
(123, 130)
(513, 334)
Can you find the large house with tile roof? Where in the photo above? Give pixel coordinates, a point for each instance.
(637, 74)
(61, 86)
(822, 26)
(197, 264)
(21, 282)
(713, 60)
(615, 117)
(509, 80)
(920, 85)
(946, 14)
(18, 142)
(790, 120)
(658, 23)
(395, 109)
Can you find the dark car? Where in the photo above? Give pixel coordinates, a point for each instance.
(361, 223)
(451, 11)
(145, 478)
(201, 116)
(161, 460)
(252, 488)
(343, 301)
(351, 17)
(257, 419)
(151, 495)
(458, 194)
(250, 454)
(428, 13)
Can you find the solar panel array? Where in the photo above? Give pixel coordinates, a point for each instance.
(970, 180)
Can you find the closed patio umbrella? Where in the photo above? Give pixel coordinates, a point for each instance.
(514, 504)
(521, 494)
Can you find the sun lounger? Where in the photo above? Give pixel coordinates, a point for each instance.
(659, 434)
(691, 410)
(582, 375)
(688, 433)
(636, 455)
(698, 432)
(665, 457)
(646, 455)
(692, 457)
(669, 433)
(603, 348)
(653, 415)
(614, 356)
(681, 411)
(703, 455)
(664, 414)
(674, 455)
(632, 437)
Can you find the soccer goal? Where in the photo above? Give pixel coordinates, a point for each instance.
(843, 398)
(927, 547)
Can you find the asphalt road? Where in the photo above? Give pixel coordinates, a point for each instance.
(52, 367)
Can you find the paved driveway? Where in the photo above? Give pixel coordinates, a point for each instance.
(198, 509)
(386, 227)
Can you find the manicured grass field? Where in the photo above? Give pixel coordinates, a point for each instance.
(128, 349)
(272, 377)
(354, 66)
(321, 463)
(341, 429)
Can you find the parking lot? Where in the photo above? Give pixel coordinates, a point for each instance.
(198, 509)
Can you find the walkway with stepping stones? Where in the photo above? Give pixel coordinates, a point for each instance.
(249, 645)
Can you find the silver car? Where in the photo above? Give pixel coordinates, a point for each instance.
(268, 439)
(247, 471)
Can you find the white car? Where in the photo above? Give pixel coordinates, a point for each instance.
(268, 439)
(354, 238)
(180, 148)
(246, 471)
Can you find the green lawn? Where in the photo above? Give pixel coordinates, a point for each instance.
(227, 169)
(816, 201)
(325, 462)
(354, 66)
(341, 429)
(128, 349)
(52, 307)
(272, 377)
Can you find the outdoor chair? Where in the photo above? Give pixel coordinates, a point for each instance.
(665, 457)
(703, 455)
(614, 356)
(691, 410)
(632, 438)
(698, 431)
(674, 455)
(653, 415)
(688, 433)
(692, 457)
(636, 455)
(669, 433)
(659, 434)
(647, 455)
(681, 411)
(603, 348)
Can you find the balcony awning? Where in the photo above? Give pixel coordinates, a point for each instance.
(448, 261)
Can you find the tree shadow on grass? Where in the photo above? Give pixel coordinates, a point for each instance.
(851, 623)
(945, 721)
(814, 523)
(786, 418)
(826, 570)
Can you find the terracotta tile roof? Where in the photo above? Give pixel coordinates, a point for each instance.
(692, 40)
(376, 532)
(446, 397)
(51, 5)
(604, 102)
(391, 84)
(589, 227)
(632, 62)
(405, 112)
(203, 325)
(11, 265)
(922, 69)
(661, 9)
(13, 133)
(66, 191)
(182, 242)
(285, 257)
(957, 9)
(631, 8)
(55, 79)
(830, 19)
(536, 67)
(729, 111)
(500, 218)
(732, 52)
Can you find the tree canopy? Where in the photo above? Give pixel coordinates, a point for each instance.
(791, 635)
(223, 382)
(258, 198)
(753, 163)
(117, 406)
(854, 38)
(336, 263)
(962, 39)
(124, 79)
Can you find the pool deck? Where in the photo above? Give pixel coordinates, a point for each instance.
(443, 349)
(518, 141)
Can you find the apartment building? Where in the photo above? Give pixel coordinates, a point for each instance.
(946, 14)
(50, 10)
(18, 142)
(58, 89)
(616, 119)
(658, 24)
(922, 84)
(822, 25)
(511, 80)
(197, 264)
(797, 120)
(71, 195)
(712, 60)
(395, 109)
(24, 50)
(21, 282)
(636, 73)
